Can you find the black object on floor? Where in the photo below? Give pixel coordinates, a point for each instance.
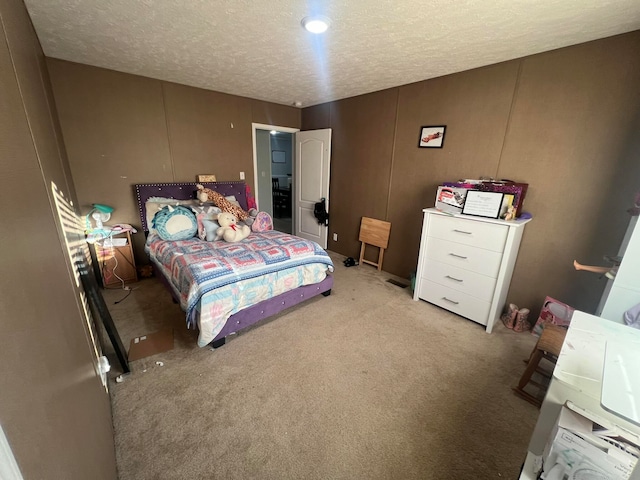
(350, 262)
(99, 309)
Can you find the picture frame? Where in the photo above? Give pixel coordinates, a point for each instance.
(278, 156)
(483, 204)
(432, 136)
(206, 178)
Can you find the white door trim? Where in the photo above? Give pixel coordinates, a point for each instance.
(262, 126)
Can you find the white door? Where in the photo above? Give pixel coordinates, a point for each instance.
(312, 169)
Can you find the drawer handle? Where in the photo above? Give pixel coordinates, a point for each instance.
(458, 256)
(462, 231)
(450, 301)
(453, 278)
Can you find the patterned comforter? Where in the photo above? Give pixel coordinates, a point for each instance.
(214, 280)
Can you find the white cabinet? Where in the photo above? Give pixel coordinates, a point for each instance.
(578, 380)
(623, 292)
(465, 264)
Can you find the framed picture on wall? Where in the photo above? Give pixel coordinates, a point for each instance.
(432, 136)
(278, 156)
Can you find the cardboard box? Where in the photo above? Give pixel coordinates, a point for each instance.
(450, 199)
(577, 446)
(151, 344)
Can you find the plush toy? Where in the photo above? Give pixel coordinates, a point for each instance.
(250, 220)
(208, 195)
(511, 213)
(229, 229)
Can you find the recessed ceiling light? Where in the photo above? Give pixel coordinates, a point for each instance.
(316, 23)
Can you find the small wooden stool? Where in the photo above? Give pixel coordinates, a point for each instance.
(374, 232)
(548, 346)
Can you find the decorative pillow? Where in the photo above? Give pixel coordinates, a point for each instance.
(175, 223)
(202, 212)
(154, 204)
(208, 208)
(210, 228)
(262, 222)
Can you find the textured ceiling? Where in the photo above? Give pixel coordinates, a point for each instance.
(258, 49)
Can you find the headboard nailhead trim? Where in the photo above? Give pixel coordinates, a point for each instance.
(146, 190)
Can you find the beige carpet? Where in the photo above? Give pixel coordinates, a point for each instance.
(364, 384)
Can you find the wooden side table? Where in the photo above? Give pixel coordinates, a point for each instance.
(116, 262)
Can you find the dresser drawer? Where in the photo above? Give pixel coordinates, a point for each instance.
(454, 301)
(477, 260)
(469, 232)
(465, 281)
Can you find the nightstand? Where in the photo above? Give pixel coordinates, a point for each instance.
(115, 261)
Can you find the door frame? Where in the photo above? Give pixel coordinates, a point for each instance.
(262, 126)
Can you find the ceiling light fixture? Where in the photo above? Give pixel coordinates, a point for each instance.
(316, 23)
(273, 132)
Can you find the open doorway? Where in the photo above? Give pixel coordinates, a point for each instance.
(273, 161)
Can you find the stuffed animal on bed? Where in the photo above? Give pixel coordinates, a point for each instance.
(229, 229)
(208, 195)
(250, 220)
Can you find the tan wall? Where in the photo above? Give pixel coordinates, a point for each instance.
(362, 141)
(54, 411)
(531, 119)
(563, 121)
(122, 129)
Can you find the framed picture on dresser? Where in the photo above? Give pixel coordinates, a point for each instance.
(483, 204)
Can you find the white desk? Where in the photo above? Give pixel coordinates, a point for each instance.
(577, 378)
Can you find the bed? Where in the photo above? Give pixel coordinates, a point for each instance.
(226, 287)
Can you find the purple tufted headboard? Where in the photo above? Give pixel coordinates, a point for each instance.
(184, 191)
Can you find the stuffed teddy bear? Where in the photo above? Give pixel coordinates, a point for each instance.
(206, 194)
(229, 229)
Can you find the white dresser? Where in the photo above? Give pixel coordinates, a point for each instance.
(465, 264)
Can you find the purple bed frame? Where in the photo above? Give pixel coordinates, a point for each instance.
(250, 315)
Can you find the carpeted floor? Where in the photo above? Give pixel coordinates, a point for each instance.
(364, 384)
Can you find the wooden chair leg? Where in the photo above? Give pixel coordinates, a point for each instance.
(380, 257)
(531, 368)
(361, 253)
